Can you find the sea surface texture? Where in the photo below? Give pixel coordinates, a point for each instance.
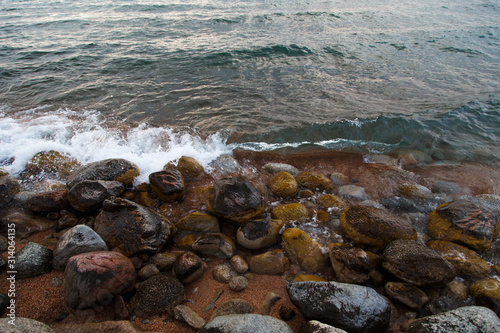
(153, 80)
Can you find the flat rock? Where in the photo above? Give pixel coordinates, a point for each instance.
(246, 323)
(464, 222)
(462, 320)
(131, 227)
(416, 263)
(304, 250)
(270, 263)
(187, 315)
(350, 307)
(259, 234)
(32, 260)
(111, 169)
(24, 325)
(156, 295)
(94, 279)
(168, 185)
(277, 167)
(77, 240)
(88, 195)
(215, 244)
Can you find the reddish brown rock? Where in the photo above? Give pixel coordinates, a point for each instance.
(46, 202)
(188, 267)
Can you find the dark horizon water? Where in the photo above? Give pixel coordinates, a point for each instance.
(372, 76)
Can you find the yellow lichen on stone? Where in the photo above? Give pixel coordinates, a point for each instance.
(331, 201)
(52, 162)
(315, 181)
(290, 212)
(190, 168)
(486, 292)
(308, 277)
(304, 250)
(283, 184)
(127, 178)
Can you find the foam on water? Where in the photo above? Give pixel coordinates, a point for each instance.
(89, 137)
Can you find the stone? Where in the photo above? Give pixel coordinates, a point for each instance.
(187, 315)
(464, 222)
(314, 326)
(164, 261)
(374, 227)
(286, 312)
(188, 267)
(168, 185)
(304, 250)
(313, 181)
(353, 192)
(308, 277)
(51, 163)
(24, 325)
(331, 203)
(246, 323)
(156, 295)
(147, 271)
(4, 244)
(416, 263)
(197, 223)
(232, 306)
(412, 205)
(259, 234)
(339, 179)
(77, 240)
(215, 244)
(32, 260)
(415, 191)
(26, 224)
(292, 212)
(234, 199)
(46, 202)
(283, 185)
(350, 264)
(88, 195)
(223, 273)
(269, 300)
(111, 169)
(190, 168)
(225, 164)
(68, 220)
(351, 307)
(131, 227)
(270, 263)
(9, 187)
(238, 283)
(277, 167)
(461, 320)
(466, 261)
(445, 187)
(486, 292)
(239, 264)
(93, 279)
(407, 294)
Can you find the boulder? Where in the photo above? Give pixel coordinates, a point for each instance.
(215, 244)
(353, 192)
(486, 292)
(77, 240)
(283, 185)
(156, 295)
(464, 222)
(190, 168)
(462, 320)
(46, 202)
(292, 212)
(88, 195)
(416, 263)
(374, 227)
(32, 260)
(304, 250)
(168, 185)
(93, 279)
(407, 294)
(270, 263)
(246, 323)
(111, 169)
(258, 234)
(313, 181)
(350, 307)
(131, 227)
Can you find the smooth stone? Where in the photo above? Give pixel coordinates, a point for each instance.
(464, 222)
(156, 295)
(225, 164)
(197, 223)
(246, 323)
(94, 279)
(190, 168)
(331, 202)
(168, 185)
(283, 184)
(277, 167)
(339, 179)
(234, 199)
(164, 261)
(223, 273)
(304, 250)
(147, 271)
(77, 240)
(24, 325)
(187, 315)
(232, 306)
(313, 181)
(292, 212)
(88, 195)
(32, 260)
(462, 320)
(111, 169)
(259, 234)
(445, 187)
(374, 227)
(215, 244)
(314, 326)
(350, 264)
(270, 263)
(486, 292)
(350, 307)
(131, 227)
(407, 294)
(239, 264)
(68, 220)
(415, 191)
(188, 267)
(4, 303)
(353, 192)
(46, 202)
(238, 283)
(416, 263)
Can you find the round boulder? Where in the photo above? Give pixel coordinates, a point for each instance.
(283, 184)
(32, 260)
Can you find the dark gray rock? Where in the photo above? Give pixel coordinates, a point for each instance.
(168, 185)
(462, 320)
(4, 244)
(350, 307)
(88, 195)
(215, 244)
(407, 294)
(245, 323)
(32, 260)
(79, 239)
(225, 164)
(111, 169)
(188, 267)
(156, 295)
(412, 205)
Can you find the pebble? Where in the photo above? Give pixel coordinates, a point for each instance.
(238, 283)
(223, 273)
(239, 264)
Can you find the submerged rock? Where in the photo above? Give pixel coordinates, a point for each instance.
(313, 181)
(225, 164)
(407, 294)
(353, 192)
(9, 186)
(293, 212)
(277, 167)
(111, 169)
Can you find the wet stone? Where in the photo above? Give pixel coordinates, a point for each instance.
(187, 315)
(32, 260)
(239, 264)
(111, 169)
(223, 273)
(23, 325)
(246, 323)
(88, 195)
(168, 185)
(293, 212)
(188, 267)
(313, 181)
(45, 202)
(412, 205)
(486, 292)
(415, 191)
(238, 283)
(314, 326)
(304, 250)
(332, 202)
(225, 164)
(259, 234)
(270, 263)
(215, 244)
(232, 306)
(351, 265)
(147, 271)
(190, 168)
(9, 186)
(407, 294)
(164, 261)
(197, 223)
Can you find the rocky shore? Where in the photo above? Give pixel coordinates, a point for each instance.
(314, 241)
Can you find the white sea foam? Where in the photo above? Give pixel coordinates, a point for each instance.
(88, 137)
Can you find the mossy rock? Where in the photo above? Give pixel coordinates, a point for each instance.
(304, 250)
(374, 227)
(283, 184)
(259, 234)
(52, 162)
(270, 263)
(290, 212)
(415, 191)
(197, 223)
(190, 168)
(315, 181)
(333, 202)
(464, 222)
(111, 169)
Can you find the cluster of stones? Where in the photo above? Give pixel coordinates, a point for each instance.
(419, 253)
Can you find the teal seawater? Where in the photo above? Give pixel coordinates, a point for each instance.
(374, 75)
